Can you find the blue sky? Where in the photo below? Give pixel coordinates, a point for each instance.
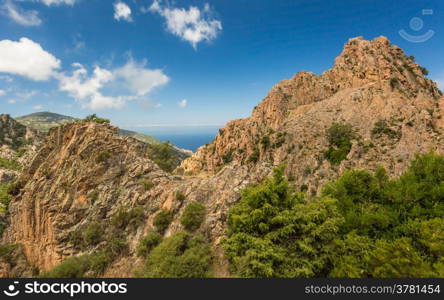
(186, 63)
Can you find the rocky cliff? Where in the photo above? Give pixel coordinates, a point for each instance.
(85, 173)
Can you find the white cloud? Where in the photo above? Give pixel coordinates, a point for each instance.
(141, 80)
(37, 107)
(20, 16)
(183, 103)
(27, 58)
(58, 2)
(2, 93)
(87, 90)
(12, 101)
(122, 11)
(191, 25)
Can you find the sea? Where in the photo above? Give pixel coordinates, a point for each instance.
(185, 138)
(186, 141)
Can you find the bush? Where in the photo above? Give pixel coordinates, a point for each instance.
(72, 267)
(103, 157)
(228, 156)
(7, 252)
(265, 141)
(93, 234)
(124, 217)
(180, 256)
(5, 197)
(394, 82)
(180, 196)
(339, 137)
(381, 127)
(147, 243)
(96, 119)
(147, 185)
(94, 196)
(164, 156)
(193, 216)
(254, 157)
(163, 220)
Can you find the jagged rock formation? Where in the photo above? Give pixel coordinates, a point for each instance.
(370, 81)
(85, 172)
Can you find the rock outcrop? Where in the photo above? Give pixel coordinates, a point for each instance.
(85, 172)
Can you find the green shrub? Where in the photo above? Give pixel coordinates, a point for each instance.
(228, 156)
(2, 229)
(76, 238)
(394, 82)
(10, 164)
(254, 157)
(103, 157)
(7, 252)
(381, 127)
(115, 247)
(163, 220)
(94, 196)
(339, 137)
(180, 256)
(147, 185)
(96, 119)
(180, 196)
(5, 197)
(147, 243)
(124, 217)
(265, 141)
(164, 156)
(99, 261)
(72, 267)
(193, 216)
(93, 234)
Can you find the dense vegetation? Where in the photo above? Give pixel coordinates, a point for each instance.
(362, 225)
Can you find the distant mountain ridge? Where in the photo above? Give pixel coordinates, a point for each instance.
(44, 121)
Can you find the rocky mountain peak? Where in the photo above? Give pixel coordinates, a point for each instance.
(371, 80)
